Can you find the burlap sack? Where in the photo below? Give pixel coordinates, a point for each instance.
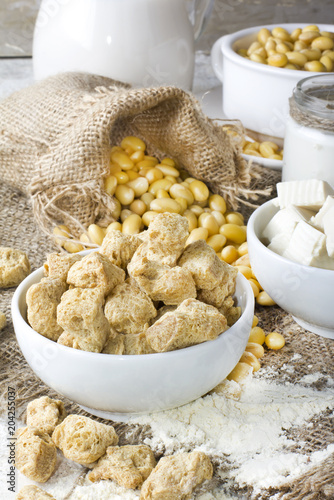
(56, 135)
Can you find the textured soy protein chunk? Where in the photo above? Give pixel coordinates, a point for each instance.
(161, 311)
(70, 340)
(3, 321)
(171, 285)
(217, 295)
(36, 454)
(205, 267)
(114, 345)
(80, 314)
(43, 299)
(175, 477)
(129, 465)
(193, 322)
(129, 309)
(136, 343)
(95, 271)
(231, 312)
(57, 265)
(119, 247)
(32, 492)
(82, 439)
(14, 267)
(232, 315)
(45, 414)
(165, 240)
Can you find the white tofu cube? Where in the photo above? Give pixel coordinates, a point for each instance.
(310, 193)
(283, 222)
(318, 220)
(279, 243)
(307, 245)
(328, 223)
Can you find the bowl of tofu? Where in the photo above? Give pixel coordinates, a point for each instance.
(291, 251)
(142, 324)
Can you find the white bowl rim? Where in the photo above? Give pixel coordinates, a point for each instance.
(250, 227)
(226, 42)
(121, 358)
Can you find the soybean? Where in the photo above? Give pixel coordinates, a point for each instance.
(274, 340)
(295, 50)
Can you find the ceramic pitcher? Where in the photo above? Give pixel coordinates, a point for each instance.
(141, 42)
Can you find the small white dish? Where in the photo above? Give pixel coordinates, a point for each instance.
(265, 162)
(211, 101)
(117, 386)
(305, 292)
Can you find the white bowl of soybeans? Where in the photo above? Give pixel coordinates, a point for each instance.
(260, 66)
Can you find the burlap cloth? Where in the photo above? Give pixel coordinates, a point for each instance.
(18, 229)
(55, 139)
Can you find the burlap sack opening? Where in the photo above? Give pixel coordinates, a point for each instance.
(56, 135)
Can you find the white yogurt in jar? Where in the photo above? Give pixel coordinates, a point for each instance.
(308, 153)
(309, 133)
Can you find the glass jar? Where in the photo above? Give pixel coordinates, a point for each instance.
(309, 134)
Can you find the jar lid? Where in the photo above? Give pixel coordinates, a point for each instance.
(315, 95)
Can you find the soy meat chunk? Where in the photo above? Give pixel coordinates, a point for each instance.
(32, 492)
(169, 232)
(43, 299)
(233, 315)
(230, 311)
(191, 323)
(69, 340)
(36, 454)
(14, 267)
(93, 342)
(129, 466)
(3, 321)
(57, 265)
(170, 285)
(165, 241)
(45, 414)
(206, 268)
(119, 247)
(175, 477)
(226, 305)
(95, 271)
(82, 343)
(161, 311)
(128, 309)
(217, 295)
(80, 313)
(82, 439)
(114, 345)
(136, 343)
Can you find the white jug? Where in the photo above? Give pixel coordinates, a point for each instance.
(141, 42)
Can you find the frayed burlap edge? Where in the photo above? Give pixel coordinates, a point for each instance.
(64, 176)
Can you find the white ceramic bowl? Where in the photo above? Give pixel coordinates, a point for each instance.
(256, 94)
(115, 386)
(305, 292)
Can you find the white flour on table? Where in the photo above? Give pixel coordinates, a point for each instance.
(247, 435)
